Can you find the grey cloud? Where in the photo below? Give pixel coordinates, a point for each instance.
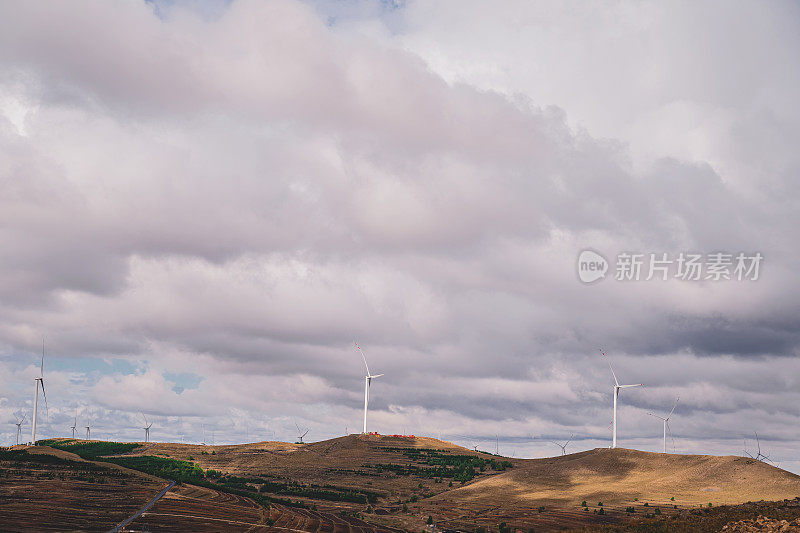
(243, 195)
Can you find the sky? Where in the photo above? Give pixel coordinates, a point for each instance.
(204, 205)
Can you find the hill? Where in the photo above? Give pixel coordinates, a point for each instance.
(50, 490)
(391, 483)
(629, 483)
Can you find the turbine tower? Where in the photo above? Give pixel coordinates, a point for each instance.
(38, 381)
(563, 446)
(88, 428)
(74, 425)
(666, 422)
(19, 423)
(367, 381)
(617, 388)
(146, 428)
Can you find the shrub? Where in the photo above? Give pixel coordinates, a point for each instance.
(430, 520)
(658, 511)
(583, 503)
(646, 504)
(601, 511)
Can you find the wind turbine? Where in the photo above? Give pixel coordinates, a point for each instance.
(300, 431)
(367, 380)
(146, 428)
(37, 382)
(617, 388)
(74, 425)
(759, 456)
(563, 446)
(88, 428)
(19, 423)
(666, 422)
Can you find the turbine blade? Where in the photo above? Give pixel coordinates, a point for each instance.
(673, 407)
(671, 436)
(609, 366)
(362, 356)
(44, 394)
(377, 375)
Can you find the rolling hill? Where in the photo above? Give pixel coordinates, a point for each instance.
(389, 483)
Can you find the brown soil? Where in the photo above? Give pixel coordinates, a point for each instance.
(80, 496)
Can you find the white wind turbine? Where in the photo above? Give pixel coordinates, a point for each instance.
(146, 428)
(74, 425)
(666, 422)
(617, 387)
(367, 381)
(38, 381)
(88, 428)
(563, 446)
(19, 423)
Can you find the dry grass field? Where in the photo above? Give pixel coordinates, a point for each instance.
(198, 509)
(370, 483)
(42, 489)
(549, 493)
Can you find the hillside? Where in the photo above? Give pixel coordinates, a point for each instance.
(381, 483)
(42, 489)
(550, 492)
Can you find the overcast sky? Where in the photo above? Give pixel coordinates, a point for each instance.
(201, 208)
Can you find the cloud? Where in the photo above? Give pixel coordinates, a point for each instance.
(238, 193)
